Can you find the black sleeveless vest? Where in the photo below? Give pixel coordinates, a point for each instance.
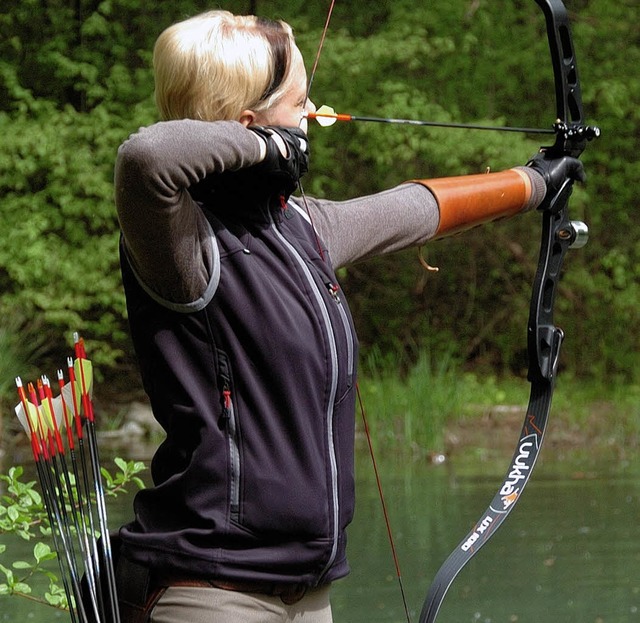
(255, 388)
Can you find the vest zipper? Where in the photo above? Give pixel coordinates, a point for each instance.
(228, 412)
(333, 389)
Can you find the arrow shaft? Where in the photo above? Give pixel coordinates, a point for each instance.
(436, 124)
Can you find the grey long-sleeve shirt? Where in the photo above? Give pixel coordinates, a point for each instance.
(169, 240)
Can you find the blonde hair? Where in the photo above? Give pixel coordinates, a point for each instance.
(216, 65)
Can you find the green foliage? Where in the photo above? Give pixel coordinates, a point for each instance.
(18, 349)
(71, 96)
(23, 514)
(22, 507)
(75, 80)
(60, 263)
(18, 583)
(126, 474)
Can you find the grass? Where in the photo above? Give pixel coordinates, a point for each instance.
(413, 410)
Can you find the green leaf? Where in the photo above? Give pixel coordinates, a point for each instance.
(8, 574)
(56, 596)
(16, 472)
(21, 587)
(55, 599)
(42, 551)
(107, 476)
(22, 564)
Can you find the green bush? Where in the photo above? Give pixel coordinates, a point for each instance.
(75, 81)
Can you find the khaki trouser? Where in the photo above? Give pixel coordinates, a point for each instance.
(196, 604)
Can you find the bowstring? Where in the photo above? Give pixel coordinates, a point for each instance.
(312, 75)
(323, 36)
(374, 462)
(383, 504)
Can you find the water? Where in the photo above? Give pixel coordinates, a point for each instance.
(568, 553)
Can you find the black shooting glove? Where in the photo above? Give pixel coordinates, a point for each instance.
(558, 174)
(281, 174)
(256, 189)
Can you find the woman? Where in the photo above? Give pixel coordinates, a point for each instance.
(245, 343)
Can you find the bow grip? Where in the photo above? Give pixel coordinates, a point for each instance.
(559, 200)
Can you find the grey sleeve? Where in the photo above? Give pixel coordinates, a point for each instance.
(166, 236)
(404, 216)
(388, 221)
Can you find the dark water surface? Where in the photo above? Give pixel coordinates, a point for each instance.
(568, 553)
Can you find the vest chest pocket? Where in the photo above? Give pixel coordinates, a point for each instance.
(347, 334)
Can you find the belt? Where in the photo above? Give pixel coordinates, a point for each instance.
(288, 593)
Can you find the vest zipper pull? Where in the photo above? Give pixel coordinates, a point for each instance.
(284, 207)
(334, 290)
(226, 401)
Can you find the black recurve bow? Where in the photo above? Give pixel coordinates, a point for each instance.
(544, 339)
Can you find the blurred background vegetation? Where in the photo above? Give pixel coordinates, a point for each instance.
(75, 81)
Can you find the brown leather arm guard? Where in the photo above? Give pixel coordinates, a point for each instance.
(470, 200)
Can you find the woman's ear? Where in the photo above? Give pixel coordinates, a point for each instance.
(247, 118)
